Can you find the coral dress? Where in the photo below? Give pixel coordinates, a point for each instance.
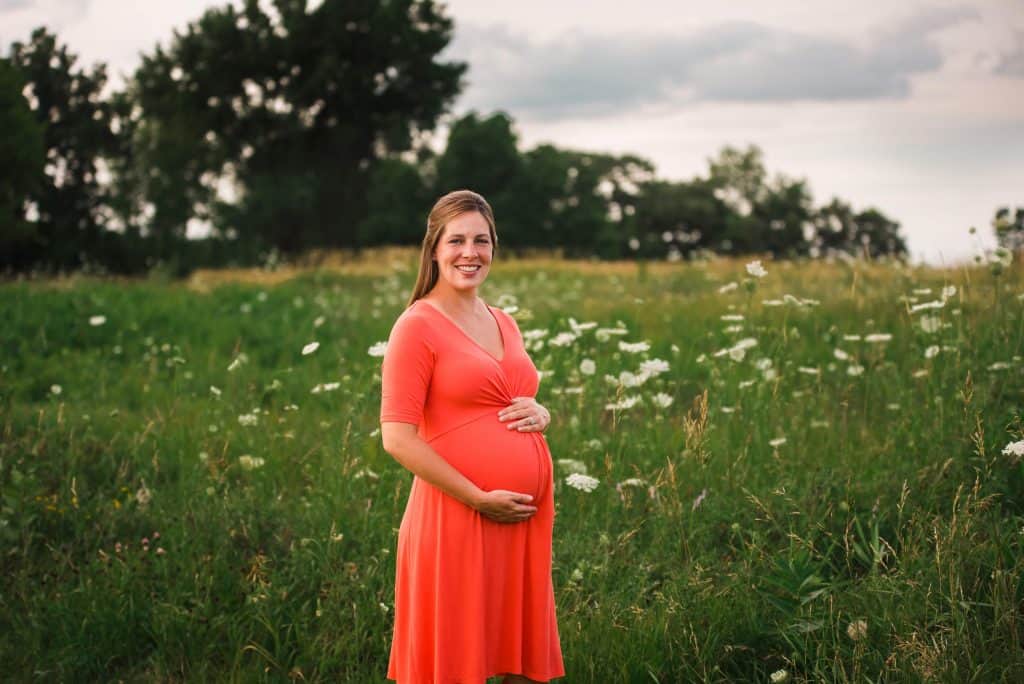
(473, 597)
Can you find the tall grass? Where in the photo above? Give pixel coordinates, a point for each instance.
(188, 497)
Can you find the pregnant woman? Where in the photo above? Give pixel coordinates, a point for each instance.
(473, 594)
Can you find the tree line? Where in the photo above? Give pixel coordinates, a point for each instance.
(287, 128)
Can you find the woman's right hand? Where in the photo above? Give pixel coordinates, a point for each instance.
(503, 506)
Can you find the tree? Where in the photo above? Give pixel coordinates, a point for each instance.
(68, 106)
(1009, 228)
(270, 120)
(21, 168)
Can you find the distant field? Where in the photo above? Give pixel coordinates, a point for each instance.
(802, 476)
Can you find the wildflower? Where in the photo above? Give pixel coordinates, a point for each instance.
(160, 551)
(772, 302)
(744, 384)
(56, 389)
(920, 373)
(755, 269)
(1014, 449)
(662, 400)
(840, 354)
(779, 677)
(936, 304)
(700, 499)
(96, 321)
(931, 352)
(320, 320)
(998, 366)
(582, 482)
(633, 347)
(878, 337)
(310, 348)
(769, 374)
(930, 324)
(250, 462)
(733, 328)
(604, 334)
(562, 339)
(737, 353)
(215, 391)
(572, 465)
(534, 334)
(807, 370)
(728, 287)
(629, 379)
(731, 317)
(851, 338)
(763, 364)
(624, 403)
(325, 387)
(777, 442)
(857, 630)
(237, 362)
(588, 367)
(593, 445)
(581, 327)
(949, 291)
(143, 496)
(377, 349)
(855, 369)
(367, 473)
(248, 419)
(727, 409)
(654, 367)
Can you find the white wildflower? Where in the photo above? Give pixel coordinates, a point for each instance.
(237, 362)
(840, 354)
(763, 364)
(731, 317)
(633, 347)
(931, 352)
(920, 373)
(604, 334)
(733, 328)
(572, 465)
(581, 327)
(777, 442)
(662, 400)
(562, 339)
(737, 353)
(95, 321)
(534, 334)
(320, 320)
(851, 338)
(699, 500)
(930, 324)
(878, 337)
(325, 387)
(808, 370)
(593, 445)
(56, 389)
(215, 391)
(248, 419)
(744, 384)
(654, 367)
(779, 677)
(936, 304)
(728, 287)
(624, 403)
(755, 269)
(582, 482)
(588, 367)
(1014, 449)
(250, 462)
(769, 374)
(727, 409)
(377, 349)
(855, 369)
(310, 348)
(857, 630)
(772, 302)
(949, 291)
(999, 365)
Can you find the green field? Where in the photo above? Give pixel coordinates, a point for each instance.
(186, 496)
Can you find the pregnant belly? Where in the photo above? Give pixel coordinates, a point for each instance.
(494, 457)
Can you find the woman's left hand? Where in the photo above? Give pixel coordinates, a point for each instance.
(525, 415)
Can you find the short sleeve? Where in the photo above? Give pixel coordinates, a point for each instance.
(405, 372)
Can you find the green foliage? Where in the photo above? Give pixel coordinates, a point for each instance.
(150, 534)
(21, 171)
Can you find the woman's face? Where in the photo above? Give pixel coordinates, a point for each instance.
(463, 252)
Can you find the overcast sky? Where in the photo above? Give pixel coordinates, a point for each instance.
(916, 108)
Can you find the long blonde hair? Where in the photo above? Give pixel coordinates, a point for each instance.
(445, 209)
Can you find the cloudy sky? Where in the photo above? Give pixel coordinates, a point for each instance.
(916, 108)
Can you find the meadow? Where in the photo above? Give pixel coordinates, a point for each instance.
(807, 474)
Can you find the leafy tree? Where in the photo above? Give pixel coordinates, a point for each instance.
(21, 168)
(67, 104)
(866, 233)
(1009, 228)
(677, 218)
(287, 109)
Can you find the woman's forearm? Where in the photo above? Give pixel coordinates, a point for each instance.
(421, 460)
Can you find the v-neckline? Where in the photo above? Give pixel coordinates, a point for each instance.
(501, 333)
